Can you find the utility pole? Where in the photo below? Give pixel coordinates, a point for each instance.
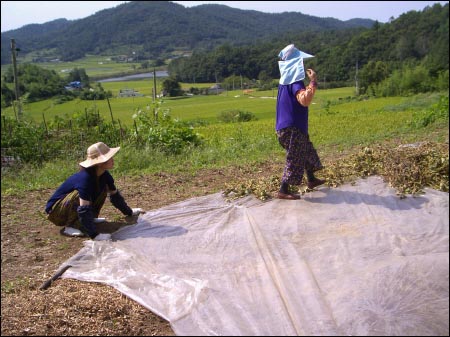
(356, 79)
(16, 81)
(154, 85)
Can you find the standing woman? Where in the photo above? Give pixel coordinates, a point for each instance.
(292, 122)
(76, 204)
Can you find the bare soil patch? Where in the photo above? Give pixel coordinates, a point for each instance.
(33, 249)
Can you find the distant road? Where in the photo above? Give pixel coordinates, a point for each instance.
(159, 73)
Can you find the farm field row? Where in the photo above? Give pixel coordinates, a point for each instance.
(260, 103)
(338, 121)
(94, 65)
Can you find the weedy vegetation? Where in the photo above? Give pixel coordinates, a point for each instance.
(216, 131)
(173, 149)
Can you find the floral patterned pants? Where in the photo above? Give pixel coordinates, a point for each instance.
(300, 155)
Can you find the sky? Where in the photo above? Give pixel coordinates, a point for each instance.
(16, 14)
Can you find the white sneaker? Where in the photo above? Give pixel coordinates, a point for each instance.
(103, 237)
(99, 220)
(136, 211)
(70, 231)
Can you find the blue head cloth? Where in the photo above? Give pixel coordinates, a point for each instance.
(291, 64)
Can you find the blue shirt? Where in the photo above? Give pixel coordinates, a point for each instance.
(289, 111)
(86, 186)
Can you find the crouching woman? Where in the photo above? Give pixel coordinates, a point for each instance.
(76, 204)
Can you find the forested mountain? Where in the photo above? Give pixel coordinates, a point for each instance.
(407, 55)
(155, 28)
(414, 47)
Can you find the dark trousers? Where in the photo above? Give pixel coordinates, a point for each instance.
(64, 211)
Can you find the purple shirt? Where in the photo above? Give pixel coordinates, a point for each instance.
(289, 111)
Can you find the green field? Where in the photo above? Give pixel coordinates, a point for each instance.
(328, 106)
(186, 108)
(338, 122)
(94, 66)
(145, 86)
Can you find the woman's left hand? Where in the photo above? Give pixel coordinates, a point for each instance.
(311, 75)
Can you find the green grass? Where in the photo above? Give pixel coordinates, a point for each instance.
(260, 103)
(144, 86)
(94, 65)
(13, 286)
(186, 108)
(123, 108)
(337, 122)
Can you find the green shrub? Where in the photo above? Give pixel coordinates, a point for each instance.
(164, 133)
(438, 112)
(234, 115)
(66, 137)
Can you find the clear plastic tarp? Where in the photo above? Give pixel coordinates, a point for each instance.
(352, 260)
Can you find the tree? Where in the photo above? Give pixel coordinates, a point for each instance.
(95, 93)
(172, 87)
(7, 96)
(38, 83)
(79, 75)
(372, 73)
(265, 81)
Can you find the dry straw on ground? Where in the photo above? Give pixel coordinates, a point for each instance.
(407, 168)
(71, 308)
(32, 249)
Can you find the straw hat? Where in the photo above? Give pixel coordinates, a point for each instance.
(98, 153)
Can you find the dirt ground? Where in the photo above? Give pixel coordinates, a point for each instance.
(32, 250)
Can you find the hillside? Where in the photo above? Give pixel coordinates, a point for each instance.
(156, 28)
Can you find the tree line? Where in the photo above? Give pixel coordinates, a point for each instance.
(152, 29)
(408, 54)
(37, 83)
